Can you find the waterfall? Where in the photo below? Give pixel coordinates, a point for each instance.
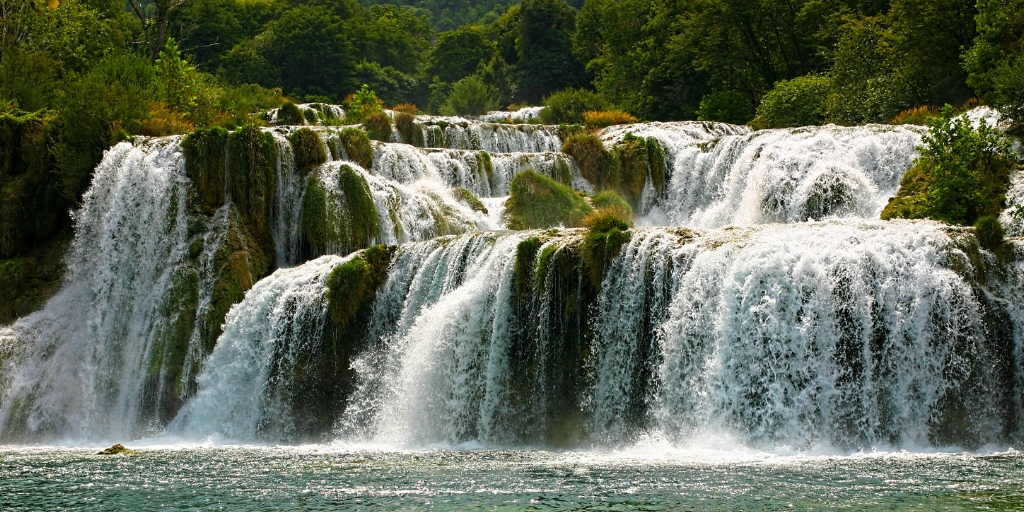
(240, 391)
(86, 357)
(789, 175)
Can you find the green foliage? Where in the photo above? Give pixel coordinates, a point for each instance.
(458, 53)
(357, 146)
(796, 102)
(725, 106)
(610, 202)
(568, 105)
(543, 59)
(205, 164)
(961, 175)
(352, 286)
(470, 199)
(994, 63)
(360, 104)
(471, 96)
(289, 114)
(411, 131)
(307, 147)
(378, 126)
(541, 202)
(633, 167)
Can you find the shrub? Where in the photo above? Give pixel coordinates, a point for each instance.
(961, 175)
(360, 104)
(607, 233)
(289, 114)
(471, 96)
(378, 126)
(568, 105)
(161, 121)
(406, 108)
(308, 149)
(470, 199)
(917, 115)
(311, 116)
(606, 118)
(612, 203)
(357, 146)
(634, 164)
(726, 107)
(541, 202)
(410, 130)
(989, 232)
(796, 102)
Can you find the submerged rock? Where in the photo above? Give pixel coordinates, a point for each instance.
(117, 449)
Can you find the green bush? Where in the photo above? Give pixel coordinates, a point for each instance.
(541, 202)
(352, 286)
(726, 107)
(568, 105)
(608, 231)
(611, 202)
(411, 131)
(308, 149)
(471, 96)
(961, 175)
(289, 114)
(378, 126)
(360, 104)
(357, 145)
(796, 102)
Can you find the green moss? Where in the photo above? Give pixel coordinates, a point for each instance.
(633, 159)
(307, 147)
(526, 265)
(311, 116)
(540, 202)
(657, 166)
(339, 224)
(411, 131)
(378, 126)
(357, 145)
(252, 176)
(351, 287)
(598, 165)
(469, 198)
(205, 164)
(289, 114)
(484, 165)
(607, 233)
(990, 232)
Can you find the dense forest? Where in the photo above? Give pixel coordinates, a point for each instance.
(79, 75)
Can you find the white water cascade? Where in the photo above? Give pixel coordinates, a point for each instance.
(85, 357)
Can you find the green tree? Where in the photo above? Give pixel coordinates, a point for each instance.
(458, 53)
(545, 61)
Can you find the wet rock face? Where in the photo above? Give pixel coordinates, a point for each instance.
(117, 449)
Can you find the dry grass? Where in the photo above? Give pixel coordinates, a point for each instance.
(605, 118)
(406, 108)
(163, 120)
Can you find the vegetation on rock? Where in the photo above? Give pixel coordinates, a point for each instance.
(357, 146)
(378, 126)
(205, 164)
(470, 199)
(541, 202)
(307, 148)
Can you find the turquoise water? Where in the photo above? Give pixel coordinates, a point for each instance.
(333, 478)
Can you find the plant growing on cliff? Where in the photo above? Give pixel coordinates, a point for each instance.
(307, 147)
(541, 202)
(360, 104)
(961, 175)
(357, 145)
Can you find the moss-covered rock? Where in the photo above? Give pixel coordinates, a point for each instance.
(357, 146)
(541, 202)
(598, 165)
(117, 449)
(206, 163)
(467, 197)
(339, 217)
(352, 286)
(410, 130)
(252, 176)
(27, 282)
(290, 114)
(378, 126)
(307, 147)
(607, 233)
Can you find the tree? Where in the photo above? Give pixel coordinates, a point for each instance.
(156, 16)
(544, 48)
(458, 53)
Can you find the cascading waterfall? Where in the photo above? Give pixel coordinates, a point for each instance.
(804, 325)
(85, 357)
(789, 175)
